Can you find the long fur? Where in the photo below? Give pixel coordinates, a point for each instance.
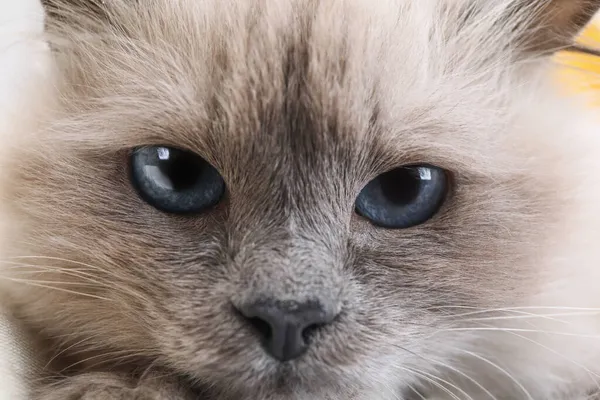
(299, 104)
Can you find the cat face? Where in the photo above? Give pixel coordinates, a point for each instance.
(233, 192)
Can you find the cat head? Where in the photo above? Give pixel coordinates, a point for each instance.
(302, 196)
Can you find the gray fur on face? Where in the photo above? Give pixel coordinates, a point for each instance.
(298, 105)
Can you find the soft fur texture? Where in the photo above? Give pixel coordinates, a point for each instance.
(299, 104)
(21, 24)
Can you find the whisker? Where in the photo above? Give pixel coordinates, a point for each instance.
(57, 355)
(494, 329)
(477, 310)
(23, 281)
(47, 270)
(42, 282)
(455, 370)
(99, 281)
(592, 374)
(87, 267)
(44, 266)
(464, 375)
(499, 368)
(551, 317)
(432, 381)
(110, 358)
(107, 272)
(54, 259)
(415, 391)
(450, 384)
(149, 370)
(63, 351)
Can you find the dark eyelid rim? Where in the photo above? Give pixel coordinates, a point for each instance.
(449, 197)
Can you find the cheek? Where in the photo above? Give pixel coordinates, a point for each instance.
(91, 215)
(481, 252)
(88, 197)
(482, 274)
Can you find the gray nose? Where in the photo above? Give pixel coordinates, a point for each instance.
(284, 327)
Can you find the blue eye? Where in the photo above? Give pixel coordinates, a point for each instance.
(403, 197)
(175, 181)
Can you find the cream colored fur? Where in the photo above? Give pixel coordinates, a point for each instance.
(511, 266)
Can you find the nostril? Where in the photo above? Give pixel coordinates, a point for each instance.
(310, 331)
(262, 328)
(285, 328)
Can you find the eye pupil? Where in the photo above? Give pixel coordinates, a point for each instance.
(181, 169)
(174, 180)
(403, 197)
(400, 186)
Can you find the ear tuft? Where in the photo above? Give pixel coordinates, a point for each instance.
(554, 24)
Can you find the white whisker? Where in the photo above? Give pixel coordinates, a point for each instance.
(100, 279)
(523, 330)
(464, 375)
(415, 391)
(552, 317)
(434, 382)
(499, 368)
(477, 310)
(63, 351)
(83, 294)
(592, 374)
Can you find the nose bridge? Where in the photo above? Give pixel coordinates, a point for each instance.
(296, 267)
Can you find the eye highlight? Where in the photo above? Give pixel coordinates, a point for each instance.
(403, 197)
(175, 181)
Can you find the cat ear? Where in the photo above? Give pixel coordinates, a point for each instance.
(546, 26)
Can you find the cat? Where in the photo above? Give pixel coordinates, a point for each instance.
(304, 199)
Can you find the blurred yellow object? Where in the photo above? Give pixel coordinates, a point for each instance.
(581, 72)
